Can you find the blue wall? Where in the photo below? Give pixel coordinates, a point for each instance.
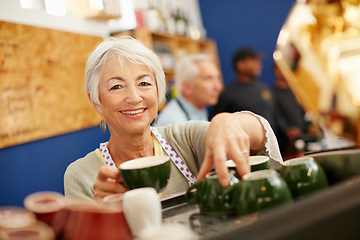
(236, 23)
(40, 165)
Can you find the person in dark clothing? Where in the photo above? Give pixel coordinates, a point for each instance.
(246, 93)
(290, 119)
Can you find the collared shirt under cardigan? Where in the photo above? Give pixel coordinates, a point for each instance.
(180, 110)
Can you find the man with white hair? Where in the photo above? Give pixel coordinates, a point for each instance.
(199, 83)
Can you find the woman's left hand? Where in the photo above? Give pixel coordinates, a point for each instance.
(231, 135)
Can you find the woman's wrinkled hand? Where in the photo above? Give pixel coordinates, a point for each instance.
(108, 182)
(231, 136)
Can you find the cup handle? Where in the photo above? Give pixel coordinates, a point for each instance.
(123, 182)
(192, 196)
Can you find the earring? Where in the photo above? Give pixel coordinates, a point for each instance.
(156, 118)
(102, 124)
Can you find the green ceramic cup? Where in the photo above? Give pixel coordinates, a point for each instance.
(260, 190)
(256, 163)
(153, 171)
(259, 163)
(303, 176)
(210, 195)
(339, 164)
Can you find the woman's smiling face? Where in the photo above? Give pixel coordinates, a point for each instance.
(128, 96)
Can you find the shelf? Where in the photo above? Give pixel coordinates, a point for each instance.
(101, 16)
(171, 47)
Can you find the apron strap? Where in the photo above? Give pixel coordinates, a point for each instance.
(179, 163)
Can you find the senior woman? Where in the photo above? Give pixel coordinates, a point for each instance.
(125, 83)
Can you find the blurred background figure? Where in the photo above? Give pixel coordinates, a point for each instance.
(199, 84)
(246, 92)
(293, 128)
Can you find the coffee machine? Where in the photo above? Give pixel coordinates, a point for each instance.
(318, 52)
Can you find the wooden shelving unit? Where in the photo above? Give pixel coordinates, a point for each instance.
(171, 47)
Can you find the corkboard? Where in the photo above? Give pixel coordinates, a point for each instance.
(42, 83)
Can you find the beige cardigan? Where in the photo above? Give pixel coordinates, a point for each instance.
(188, 141)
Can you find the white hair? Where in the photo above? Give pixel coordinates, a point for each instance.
(186, 68)
(122, 48)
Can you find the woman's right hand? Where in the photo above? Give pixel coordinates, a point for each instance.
(108, 182)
